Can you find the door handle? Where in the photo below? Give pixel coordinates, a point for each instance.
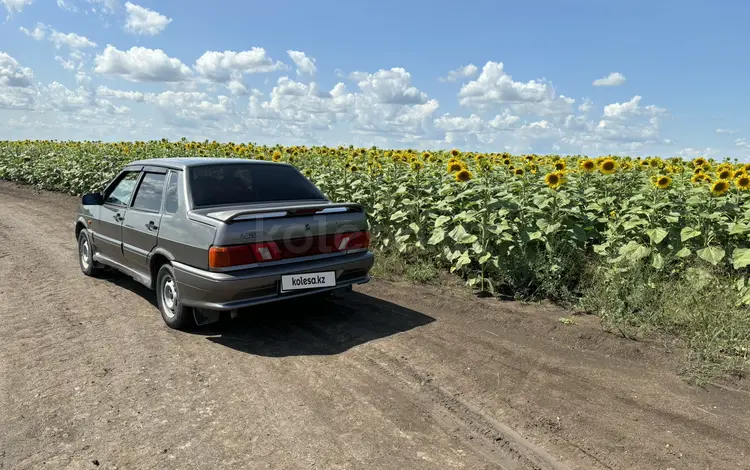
(118, 217)
(151, 225)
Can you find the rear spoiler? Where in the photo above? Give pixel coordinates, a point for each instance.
(284, 211)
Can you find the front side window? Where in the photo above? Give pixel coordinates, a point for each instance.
(233, 183)
(120, 195)
(148, 197)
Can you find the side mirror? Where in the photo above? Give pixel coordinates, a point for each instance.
(93, 199)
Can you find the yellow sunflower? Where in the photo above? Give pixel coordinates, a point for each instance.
(588, 165)
(416, 165)
(720, 187)
(608, 166)
(700, 161)
(455, 153)
(276, 156)
(725, 173)
(560, 165)
(663, 182)
(518, 172)
(454, 166)
(464, 176)
(742, 182)
(555, 179)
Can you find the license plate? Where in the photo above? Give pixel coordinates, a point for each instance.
(308, 281)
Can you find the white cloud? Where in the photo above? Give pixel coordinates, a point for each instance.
(12, 74)
(59, 98)
(494, 87)
(15, 6)
(631, 108)
(38, 33)
(620, 110)
(305, 65)
(691, 153)
(613, 79)
(237, 88)
(140, 64)
(67, 6)
(725, 131)
(191, 109)
(742, 143)
(390, 86)
(504, 121)
(67, 64)
(72, 40)
(82, 78)
(17, 98)
(465, 71)
(107, 6)
(110, 108)
(106, 92)
(143, 21)
(586, 106)
(221, 67)
(16, 84)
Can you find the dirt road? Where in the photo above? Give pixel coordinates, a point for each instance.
(391, 376)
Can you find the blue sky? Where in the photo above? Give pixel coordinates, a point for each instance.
(578, 76)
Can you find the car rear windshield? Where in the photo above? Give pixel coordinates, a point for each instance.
(228, 184)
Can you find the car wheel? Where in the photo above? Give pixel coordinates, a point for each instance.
(175, 315)
(86, 261)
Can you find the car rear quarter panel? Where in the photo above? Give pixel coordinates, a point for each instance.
(182, 239)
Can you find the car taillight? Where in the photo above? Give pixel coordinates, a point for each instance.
(266, 251)
(351, 241)
(227, 256)
(239, 255)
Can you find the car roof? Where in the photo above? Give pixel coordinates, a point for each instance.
(181, 163)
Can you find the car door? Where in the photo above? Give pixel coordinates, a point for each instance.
(140, 229)
(108, 232)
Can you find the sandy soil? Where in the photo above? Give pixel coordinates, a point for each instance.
(391, 376)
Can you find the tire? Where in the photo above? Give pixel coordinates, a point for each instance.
(88, 266)
(174, 314)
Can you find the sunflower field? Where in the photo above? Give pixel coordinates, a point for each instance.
(520, 225)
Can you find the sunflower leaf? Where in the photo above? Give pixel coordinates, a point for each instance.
(741, 258)
(684, 252)
(657, 261)
(483, 259)
(656, 235)
(398, 215)
(639, 253)
(688, 232)
(438, 235)
(712, 254)
(460, 235)
(441, 220)
(739, 228)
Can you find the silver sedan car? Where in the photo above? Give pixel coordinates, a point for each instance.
(218, 235)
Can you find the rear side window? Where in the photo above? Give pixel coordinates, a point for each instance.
(225, 184)
(170, 198)
(148, 197)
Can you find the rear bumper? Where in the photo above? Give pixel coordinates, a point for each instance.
(230, 291)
